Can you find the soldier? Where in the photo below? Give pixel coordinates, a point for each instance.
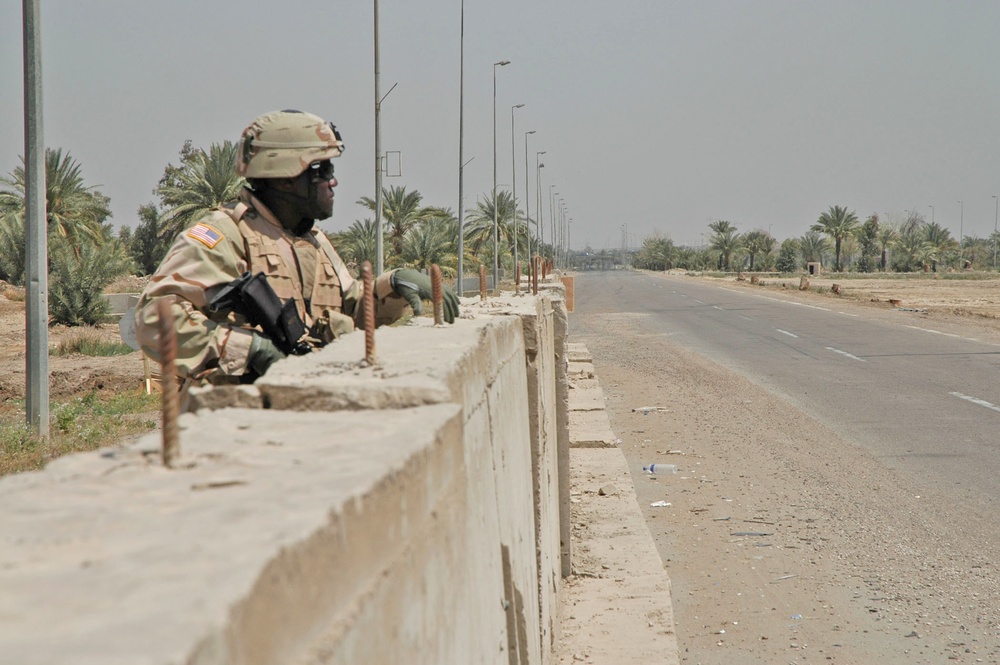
(285, 157)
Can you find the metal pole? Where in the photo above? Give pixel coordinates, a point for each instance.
(496, 223)
(552, 220)
(961, 235)
(36, 251)
(539, 226)
(379, 251)
(461, 159)
(996, 215)
(527, 206)
(513, 189)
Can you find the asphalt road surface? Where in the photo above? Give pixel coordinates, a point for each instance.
(876, 428)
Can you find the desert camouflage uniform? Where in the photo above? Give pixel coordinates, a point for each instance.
(223, 245)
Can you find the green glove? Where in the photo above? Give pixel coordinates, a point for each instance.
(263, 354)
(415, 286)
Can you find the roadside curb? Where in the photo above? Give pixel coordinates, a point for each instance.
(615, 608)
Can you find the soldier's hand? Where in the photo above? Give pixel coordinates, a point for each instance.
(263, 354)
(415, 286)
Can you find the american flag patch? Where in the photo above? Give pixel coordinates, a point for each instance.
(205, 234)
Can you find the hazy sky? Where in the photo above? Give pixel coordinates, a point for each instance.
(656, 114)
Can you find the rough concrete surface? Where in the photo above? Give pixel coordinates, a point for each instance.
(615, 608)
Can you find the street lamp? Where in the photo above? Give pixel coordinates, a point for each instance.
(538, 203)
(461, 157)
(995, 215)
(527, 208)
(513, 187)
(496, 223)
(961, 235)
(552, 218)
(932, 213)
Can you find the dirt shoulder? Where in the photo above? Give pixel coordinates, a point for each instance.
(784, 542)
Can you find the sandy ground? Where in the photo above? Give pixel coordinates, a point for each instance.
(70, 375)
(783, 542)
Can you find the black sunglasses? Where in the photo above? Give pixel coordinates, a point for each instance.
(321, 171)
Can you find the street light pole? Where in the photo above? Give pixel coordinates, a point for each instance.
(527, 207)
(932, 213)
(539, 223)
(496, 223)
(379, 253)
(996, 214)
(513, 189)
(961, 235)
(461, 157)
(552, 220)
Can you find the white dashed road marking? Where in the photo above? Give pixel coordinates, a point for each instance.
(785, 332)
(976, 400)
(845, 353)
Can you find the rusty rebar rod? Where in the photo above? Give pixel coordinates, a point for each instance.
(437, 296)
(534, 276)
(369, 304)
(171, 406)
(482, 282)
(517, 279)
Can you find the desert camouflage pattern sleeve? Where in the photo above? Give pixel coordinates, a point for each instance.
(206, 256)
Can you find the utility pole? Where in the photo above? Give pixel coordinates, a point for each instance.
(36, 353)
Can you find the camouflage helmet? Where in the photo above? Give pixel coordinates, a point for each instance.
(282, 144)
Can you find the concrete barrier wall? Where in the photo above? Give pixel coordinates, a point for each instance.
(331, 513)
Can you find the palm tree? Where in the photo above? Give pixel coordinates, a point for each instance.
(886, 237)
(433, 242)
(657, 253)
(837, 223)
(203, 181)
(757, 242)
(912, 250)
(356, 244)
(401, 211)
(725, 240)
(479, 226)
(940, 241)
(813, 246)
(73, 210)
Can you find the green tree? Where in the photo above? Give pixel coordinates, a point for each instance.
(479, 227)
(145, 244)
(433, 241)
(788, 256)
(657, 253)
(867, 237)
(887, 236)
(757, 243)
(73, 210)
(202, 181)
(78, 276)
(940, 242)
(725, 240)
(401, 212)
(812, 246)
(356, 244)
(837, 223)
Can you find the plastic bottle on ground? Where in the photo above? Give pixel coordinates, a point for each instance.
(660, 469)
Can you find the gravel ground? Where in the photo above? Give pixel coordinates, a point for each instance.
(785, 543)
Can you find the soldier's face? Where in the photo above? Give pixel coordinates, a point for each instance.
(320, 181)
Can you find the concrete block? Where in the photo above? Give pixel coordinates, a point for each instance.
(284, 537)
(591, 429)
(586, 398)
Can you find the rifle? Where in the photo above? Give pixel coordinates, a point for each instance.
(252, 297)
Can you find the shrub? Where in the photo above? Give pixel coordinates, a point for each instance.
(78, 277)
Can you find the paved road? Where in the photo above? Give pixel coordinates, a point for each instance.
(925, 402)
